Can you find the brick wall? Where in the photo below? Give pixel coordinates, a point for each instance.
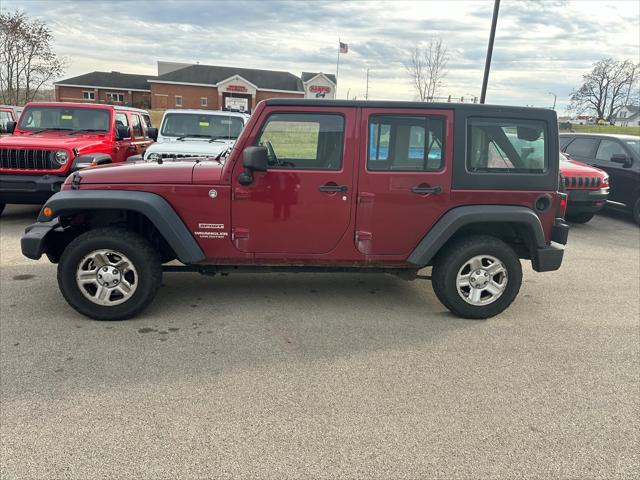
(163, 96)
(75, 94)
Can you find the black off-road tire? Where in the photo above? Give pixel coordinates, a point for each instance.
(138, 250)
(580, 217)
(636, 211)
(453, 257)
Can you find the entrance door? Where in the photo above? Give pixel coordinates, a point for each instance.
(302, 204)
(405, 177)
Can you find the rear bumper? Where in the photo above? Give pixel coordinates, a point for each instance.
(29, 189)
(587, 201)
(549, 257)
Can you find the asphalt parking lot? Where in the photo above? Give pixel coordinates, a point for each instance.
(325, 376)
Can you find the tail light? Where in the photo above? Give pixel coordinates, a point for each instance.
(562, 204)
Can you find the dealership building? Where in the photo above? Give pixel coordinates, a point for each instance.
(180, 85)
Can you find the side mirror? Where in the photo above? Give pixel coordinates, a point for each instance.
(152, 133)
(122, 132)
(622, 159)
(10, 127)
(254, 159)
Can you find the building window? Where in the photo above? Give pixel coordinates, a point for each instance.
(115, 97)
(203, 101)
(178, 100)
(88, 95)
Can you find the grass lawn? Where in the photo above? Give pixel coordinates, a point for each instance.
(613, 129)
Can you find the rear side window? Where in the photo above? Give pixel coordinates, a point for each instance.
(506, 146)
(303, 141)
(582, 147)
(147, 120)
(564, 141)
(405, 143)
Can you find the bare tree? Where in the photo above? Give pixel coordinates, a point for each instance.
(427, 67)
(27, 61)
(605, 89)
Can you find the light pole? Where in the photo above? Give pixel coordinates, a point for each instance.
(555, 97)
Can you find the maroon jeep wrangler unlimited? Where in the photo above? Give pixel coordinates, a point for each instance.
(52, 140)
(322, 186)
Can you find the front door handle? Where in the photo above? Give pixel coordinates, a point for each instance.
(423, 190)
(333, 188)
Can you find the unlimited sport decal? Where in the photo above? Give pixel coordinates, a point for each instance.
(210, 230)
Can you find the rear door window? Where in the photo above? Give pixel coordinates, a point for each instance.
(136, 125)
(582, 147)
(564, 141)
(506, 146)
(405, 143)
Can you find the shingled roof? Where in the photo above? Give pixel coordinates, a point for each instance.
(306, 76)
(212, 75)
(122, 81)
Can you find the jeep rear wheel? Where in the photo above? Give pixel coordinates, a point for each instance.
(109, 274)
(477, 276)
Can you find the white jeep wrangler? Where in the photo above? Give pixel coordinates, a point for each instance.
(196, 133)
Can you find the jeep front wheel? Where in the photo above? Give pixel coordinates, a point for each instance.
(109, 274)
(477, 276)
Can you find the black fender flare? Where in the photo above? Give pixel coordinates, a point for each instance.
(152, 206)
(459, 217)
(83, 161)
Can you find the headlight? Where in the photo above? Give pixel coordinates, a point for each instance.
(60, 157)
(605, 180)
(154, 157)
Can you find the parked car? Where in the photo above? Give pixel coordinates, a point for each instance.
(52, 140)
(322, 186)
(619, 156)
(588, 189)
(8, 115)
(196, 133)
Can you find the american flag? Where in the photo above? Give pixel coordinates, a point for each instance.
(344, 47)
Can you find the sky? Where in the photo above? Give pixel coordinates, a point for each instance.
(540, 47)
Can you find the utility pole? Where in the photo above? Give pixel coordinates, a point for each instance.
(492, 36)
(366, 95)
(555, 97)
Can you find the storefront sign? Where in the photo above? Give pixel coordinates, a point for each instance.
(236, 88)
(319, 89)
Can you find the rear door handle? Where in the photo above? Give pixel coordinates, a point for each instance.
(421, 190)
(332, 188)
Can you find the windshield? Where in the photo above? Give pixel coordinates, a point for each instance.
(634, 144)
(201, 126)
(38, 118)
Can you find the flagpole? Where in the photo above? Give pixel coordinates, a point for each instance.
(337, 67)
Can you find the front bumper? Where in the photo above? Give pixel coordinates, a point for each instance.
(33, 241)
(587, 201)
(549, 257)
(29, 189)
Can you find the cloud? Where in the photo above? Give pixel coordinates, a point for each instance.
(540, 46)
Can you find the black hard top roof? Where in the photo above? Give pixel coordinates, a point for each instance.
(311, 102)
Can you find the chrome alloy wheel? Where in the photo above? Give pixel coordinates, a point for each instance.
(106, 277)
(481, 280)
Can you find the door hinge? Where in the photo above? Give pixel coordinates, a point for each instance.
(363, 236)
(365, 197)
(239, 232)
(241, 193)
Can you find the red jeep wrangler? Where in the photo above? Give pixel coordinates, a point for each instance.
(587, 187)
(51, 140)
(322, 186)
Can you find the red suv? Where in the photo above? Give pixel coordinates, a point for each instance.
(322, 186)
(588, 189)
(51, 140)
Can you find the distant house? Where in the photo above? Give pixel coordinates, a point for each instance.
(628, 116)
(114, 88)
